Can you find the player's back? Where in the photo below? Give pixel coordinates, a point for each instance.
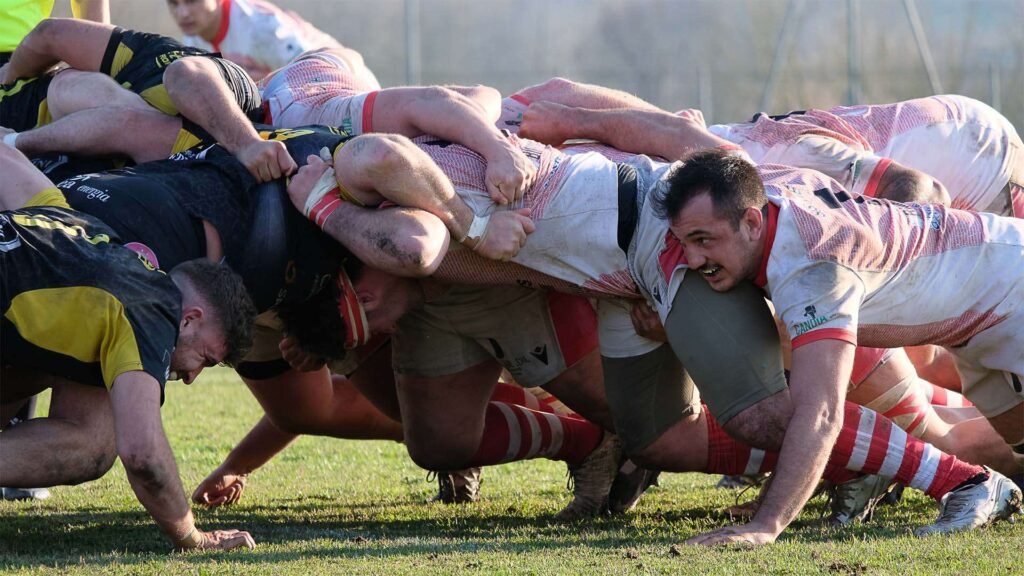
(926, 273)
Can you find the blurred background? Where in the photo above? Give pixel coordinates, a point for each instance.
(731, 58)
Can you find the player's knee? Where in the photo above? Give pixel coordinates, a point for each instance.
(763, 425)
(448, 452)
(185, 72)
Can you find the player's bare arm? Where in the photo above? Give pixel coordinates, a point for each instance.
(640, 131)
(821, 371)
(149, 463)
(450, 115)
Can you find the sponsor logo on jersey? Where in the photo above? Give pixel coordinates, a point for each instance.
(813, 321)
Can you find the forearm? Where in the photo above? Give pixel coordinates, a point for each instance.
(444, 113)
(154, 478)
(258, 447)
(643, 131)
(805, 452)
(401, 241)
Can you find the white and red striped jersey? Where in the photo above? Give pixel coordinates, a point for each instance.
(884, 274)
(261, 37)
(969, 147)
(320, 87)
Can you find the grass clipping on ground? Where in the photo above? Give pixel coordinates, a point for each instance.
(327, 506)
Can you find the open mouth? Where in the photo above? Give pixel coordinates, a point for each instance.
(710, 272)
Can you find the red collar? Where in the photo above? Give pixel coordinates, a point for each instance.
(769, 240)
(225, 21)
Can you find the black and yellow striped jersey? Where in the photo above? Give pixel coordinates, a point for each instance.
(78, 304)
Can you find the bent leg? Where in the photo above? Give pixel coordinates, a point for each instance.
(73, 90)
(74, 444)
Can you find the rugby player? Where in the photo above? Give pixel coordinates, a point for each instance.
(769, 226)
(97, 322)
(161, 72)
(255, 34)
(595, 262)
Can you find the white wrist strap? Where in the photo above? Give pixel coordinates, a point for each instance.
(326, 184)
(477, 228)
(10, 138)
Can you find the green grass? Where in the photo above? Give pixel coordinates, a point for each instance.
(340, 507)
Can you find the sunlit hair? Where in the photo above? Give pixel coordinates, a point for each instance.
(231, 307)
(731, 181)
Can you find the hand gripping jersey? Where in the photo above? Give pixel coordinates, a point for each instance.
(320, 88)
(160, 206)
(884, 274)
(969, 147)
(260, 37)
(76, 303)
(596, 233)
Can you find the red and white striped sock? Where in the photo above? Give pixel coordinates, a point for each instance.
(532, 398)
(514, 432)
(870, 443)
(939, 396)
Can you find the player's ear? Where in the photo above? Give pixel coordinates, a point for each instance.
(369, 299)
(191, 315)
(752, 221)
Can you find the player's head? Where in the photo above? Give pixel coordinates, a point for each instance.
(216, 317)
(345, 314)
(714, 203)
(196, 17)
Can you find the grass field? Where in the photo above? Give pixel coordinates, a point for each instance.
(327, 506)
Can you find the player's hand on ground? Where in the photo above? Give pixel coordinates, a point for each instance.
(646, 322)
(266, 160)
(298, 358)
(509, 175)
(226, 540)
(222, 487)
(746, 534)
(546, 123)
(505, 234)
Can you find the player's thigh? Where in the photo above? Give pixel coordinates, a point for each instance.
(581, 388)
(647, 395)
(73, 90)
(86, 406)
(375, 379)
(728, 343)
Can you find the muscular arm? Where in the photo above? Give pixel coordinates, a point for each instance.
(820, 375)
(451, 115)
(641, 131)
(401, 241)
(149, 464)
(146, 454)
(21, 180)
(904, 184)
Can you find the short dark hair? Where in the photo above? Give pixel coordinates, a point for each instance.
(733, 184)
(223, 290)
(315, 322)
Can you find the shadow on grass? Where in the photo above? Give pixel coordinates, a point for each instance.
(311, 528)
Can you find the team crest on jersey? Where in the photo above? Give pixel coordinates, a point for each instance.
(813, 321)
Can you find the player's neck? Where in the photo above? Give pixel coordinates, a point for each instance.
(209, 33)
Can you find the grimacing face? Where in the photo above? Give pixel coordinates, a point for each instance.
(200, 345)
(721, 253)
(195, 17)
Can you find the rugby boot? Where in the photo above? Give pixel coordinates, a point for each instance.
(629, 485)
(855, 500)
(592, 480)
(458, 486)
(976, 505)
